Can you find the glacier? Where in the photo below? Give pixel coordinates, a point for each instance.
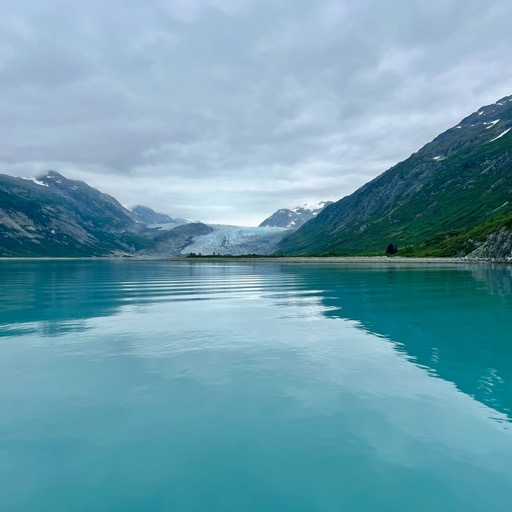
(227, 240)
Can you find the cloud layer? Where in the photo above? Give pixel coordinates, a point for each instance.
(225, 110)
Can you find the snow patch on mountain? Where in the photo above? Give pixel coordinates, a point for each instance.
(490, 124)
(36, 181)
(500, 135)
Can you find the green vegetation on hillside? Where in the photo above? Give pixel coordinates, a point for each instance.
(442, 201)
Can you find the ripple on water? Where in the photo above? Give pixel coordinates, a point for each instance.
(159, 386)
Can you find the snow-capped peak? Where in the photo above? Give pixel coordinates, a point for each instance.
(310, 206)
(295, 217)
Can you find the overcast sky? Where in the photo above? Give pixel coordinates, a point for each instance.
(226, 110)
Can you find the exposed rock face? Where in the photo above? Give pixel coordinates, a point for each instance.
(460, 180)
(498, 246)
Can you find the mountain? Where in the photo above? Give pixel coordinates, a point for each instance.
(295, 218)
(53, 216)
(450, 198)
(147, 216)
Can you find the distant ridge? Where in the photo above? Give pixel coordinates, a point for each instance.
(295, 217)
(148, 216)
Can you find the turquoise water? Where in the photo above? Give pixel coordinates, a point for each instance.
(139, 386)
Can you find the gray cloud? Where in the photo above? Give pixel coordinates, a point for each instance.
(226, 110)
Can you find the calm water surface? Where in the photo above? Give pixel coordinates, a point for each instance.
(139, 386)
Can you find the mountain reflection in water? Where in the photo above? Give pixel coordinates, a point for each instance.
(454, 321)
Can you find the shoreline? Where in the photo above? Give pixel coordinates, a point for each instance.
(330, 260)
(279, 259)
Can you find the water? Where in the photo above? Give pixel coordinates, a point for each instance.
(136, 386)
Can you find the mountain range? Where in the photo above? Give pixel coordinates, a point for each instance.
(52, 216)
(451, 198)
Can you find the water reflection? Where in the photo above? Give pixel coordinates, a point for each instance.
(55, 296)
(253, 387)
(58, 296)
(455, 322)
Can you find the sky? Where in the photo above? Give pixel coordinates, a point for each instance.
(227, 110)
